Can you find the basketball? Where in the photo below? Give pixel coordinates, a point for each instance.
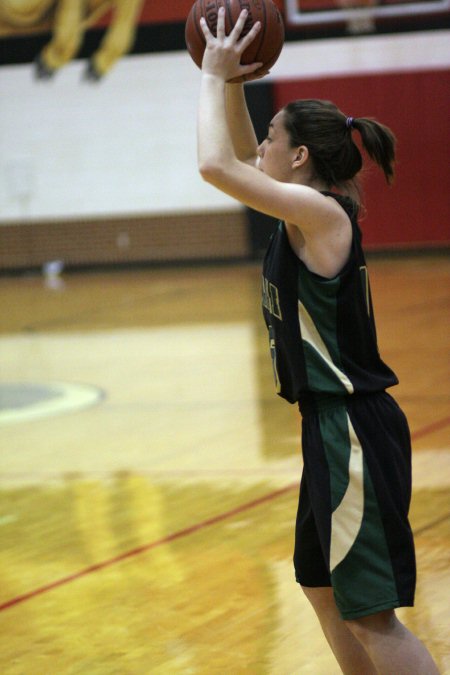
(265, 48)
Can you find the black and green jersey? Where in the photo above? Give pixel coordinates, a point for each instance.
(322, 331)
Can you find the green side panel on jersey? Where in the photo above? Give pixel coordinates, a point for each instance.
(320, 376)
(323, 364)
(320, 299)
(364, 581)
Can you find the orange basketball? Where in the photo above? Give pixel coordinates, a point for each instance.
(265, 48)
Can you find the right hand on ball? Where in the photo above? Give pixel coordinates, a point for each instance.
(223, 53)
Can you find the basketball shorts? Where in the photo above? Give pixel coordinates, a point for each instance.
(352, 529)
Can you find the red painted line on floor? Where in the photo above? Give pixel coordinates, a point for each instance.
(440, 424)
(435, 426)
(148, 547)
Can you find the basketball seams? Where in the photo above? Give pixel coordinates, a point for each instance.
(263, 31)
(258, 42)
(229, 15)
(270, 35)
(198, 30)
(273, 58)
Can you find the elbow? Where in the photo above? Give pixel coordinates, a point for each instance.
(210, 171)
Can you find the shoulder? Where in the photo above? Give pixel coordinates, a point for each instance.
(324, 246)
(348, 204)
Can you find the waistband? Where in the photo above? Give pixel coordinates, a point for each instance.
(312, 402)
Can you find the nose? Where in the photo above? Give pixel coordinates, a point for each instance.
(260, 150)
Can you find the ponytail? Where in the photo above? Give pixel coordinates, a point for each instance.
(327, 133)
(379, 143)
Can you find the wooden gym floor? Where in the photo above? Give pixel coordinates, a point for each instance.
(149, 473)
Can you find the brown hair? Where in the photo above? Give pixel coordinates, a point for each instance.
(327, 133)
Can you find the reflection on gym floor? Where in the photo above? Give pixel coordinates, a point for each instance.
(149, 473)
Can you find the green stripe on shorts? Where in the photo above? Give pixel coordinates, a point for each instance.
(360, 565)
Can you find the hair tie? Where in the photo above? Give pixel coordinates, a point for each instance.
(349, 122)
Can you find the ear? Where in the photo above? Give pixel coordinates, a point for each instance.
(301, 156)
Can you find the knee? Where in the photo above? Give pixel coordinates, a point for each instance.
(367, 627)
(313, 594)
(321, 598)
(66, 49)
(308, 591)
(61, 50)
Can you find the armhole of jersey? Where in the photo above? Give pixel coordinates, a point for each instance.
(351, 209)
(354, 257)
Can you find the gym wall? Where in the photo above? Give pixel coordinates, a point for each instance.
(98, 172)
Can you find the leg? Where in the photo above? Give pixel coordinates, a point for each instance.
(66, 39)
(118, 38)
(392, 648)
(348, 650)
(313, 575)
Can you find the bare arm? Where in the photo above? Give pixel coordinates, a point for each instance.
(240, 124)
(319, 228)
(218, 164)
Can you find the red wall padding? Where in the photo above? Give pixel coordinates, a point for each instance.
(159, 11)
(416, 210)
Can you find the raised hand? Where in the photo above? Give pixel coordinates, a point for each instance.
(223, 53)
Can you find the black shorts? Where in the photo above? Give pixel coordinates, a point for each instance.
(352, 530)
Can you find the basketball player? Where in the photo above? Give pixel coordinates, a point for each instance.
(354, 552)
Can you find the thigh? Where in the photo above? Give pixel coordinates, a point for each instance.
(357, 459)
(383, 433)
(310, 565)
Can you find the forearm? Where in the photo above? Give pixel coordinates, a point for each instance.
(226, 140)
(239, 123)
(214, 142)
